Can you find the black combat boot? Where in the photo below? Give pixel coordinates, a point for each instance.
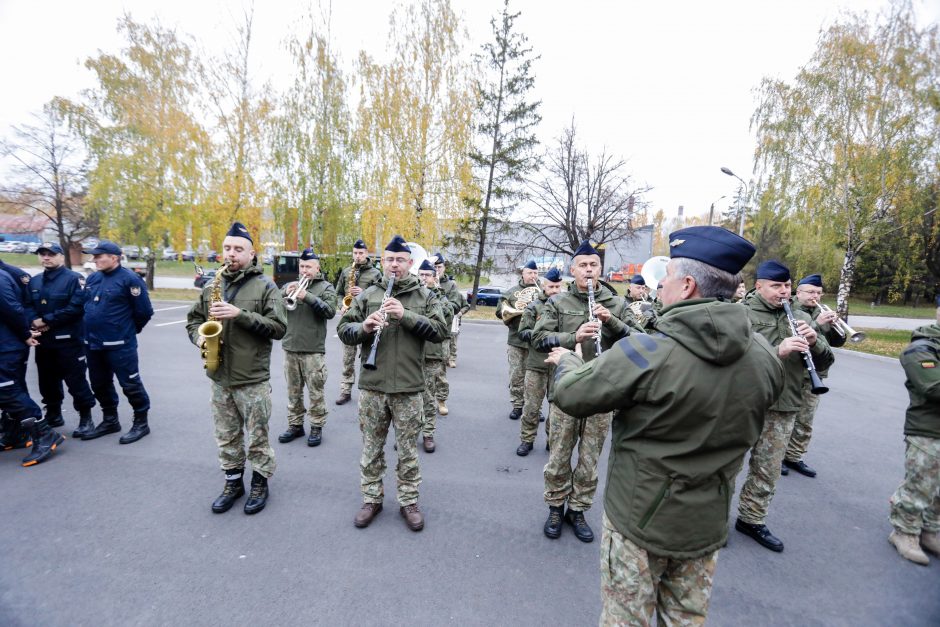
(516, 413)
(45, 441)
(581, 529)
(316, 436)
(258, 497)
(14, 436)
(54, 416)
(85, 424)
(553, 525)
(524, 449)
(293, 432)
(234, 489)
(139, 429)
(108, 424)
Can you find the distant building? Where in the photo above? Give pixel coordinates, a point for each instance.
(26, 228)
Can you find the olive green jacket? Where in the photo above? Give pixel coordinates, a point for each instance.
(921, 363)
(400, 354)
(508, 298)
(453, 294)
(246, 339)
(368, 275)
(771, 322)
(832, 336)
(306, 325)
(435, 350)
(689, 402)
(531, 314)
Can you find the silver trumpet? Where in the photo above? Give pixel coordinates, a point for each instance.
(290, 298)
(844, 330)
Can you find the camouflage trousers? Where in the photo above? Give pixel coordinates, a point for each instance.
(441, 386)
(452, 355)
(432, 375)
(915, 505)
(764, 467)
(517, 358)
(577, 485)
(239, 409)
(802, 427)
(376, 412)
(635, 584)
(349, 369)
(536, 387)
(305, 370)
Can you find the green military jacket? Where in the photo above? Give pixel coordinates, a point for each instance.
(400, 354)
(832, 336)
(306, 325)
(530, 315)
(563, 313)
(689, 402)
(921, 362)
(449, 285)
(509, 298)
(367, 274)
(771, 322)
(435, 350)
(247, 339)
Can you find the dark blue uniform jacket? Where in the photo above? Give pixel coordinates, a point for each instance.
(14, 326)
(57, 297)
(116, 309)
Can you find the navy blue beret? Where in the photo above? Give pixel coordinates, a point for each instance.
(713, 245)
(585, 249)
(238, 230)
(308, 254)
(440, 259)
(811, 279)
(530, 264)
(360, 244)
(553, 275)
(398, 245)
(55, 249)
(427, 266)
(638, 279)
(772, 271)
(105, 247)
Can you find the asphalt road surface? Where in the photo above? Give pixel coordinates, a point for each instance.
(105, 534)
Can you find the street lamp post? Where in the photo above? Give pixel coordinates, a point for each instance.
(711, 210)
(741, 223)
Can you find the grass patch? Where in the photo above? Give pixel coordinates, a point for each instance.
(482, 312)
(862, 307)
(166, 293)
(885, 342)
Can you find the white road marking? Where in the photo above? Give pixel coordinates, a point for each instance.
(169, 308)
(163, 324)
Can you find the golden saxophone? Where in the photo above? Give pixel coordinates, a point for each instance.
(350, 283)
(211, 329)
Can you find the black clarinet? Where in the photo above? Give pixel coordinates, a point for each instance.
(370, 360)
(817, 384)
(593, 318)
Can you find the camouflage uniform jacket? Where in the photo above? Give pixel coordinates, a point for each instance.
(306, 325)
(771, 322)
(832, 336)
(399, 358)
(689, 402)
(368, 275)
(531, 314)
(246, 339)
(435, 350)
(509, 298)
(921, 362)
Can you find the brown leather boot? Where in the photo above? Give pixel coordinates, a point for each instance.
(366, 514)
(413, 516)
(429, 444)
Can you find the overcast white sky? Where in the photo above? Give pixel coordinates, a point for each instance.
(667, 85)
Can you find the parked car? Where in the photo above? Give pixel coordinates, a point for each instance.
(188, 255)
(131, 252)
(203, 276)
(615, 277)
(33, 248)
(212, 257)
(168, 254)
(6, 247)
(488, 295)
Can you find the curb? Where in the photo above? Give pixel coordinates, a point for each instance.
(474, 321)
(881, 358)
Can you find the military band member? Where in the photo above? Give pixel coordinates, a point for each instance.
(517, 351)
(537, 372)
(13, 436)
(117, 308)
(679, 437)
(638, 290)
(304, 346)
(57, 306)
(15, 340)
(564, 323)
(915, 505)
(252, 315)
(366, 274)
(392, 393)
(450, 299)
(434, 359)
(769, 319)
(739, 293)
(450, 288)
(809, 292)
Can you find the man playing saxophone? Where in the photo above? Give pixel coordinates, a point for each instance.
(252, 315)
(314, 302)
(351, 282)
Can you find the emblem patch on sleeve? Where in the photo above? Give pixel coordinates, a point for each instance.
(928, 364)
(135, 291)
